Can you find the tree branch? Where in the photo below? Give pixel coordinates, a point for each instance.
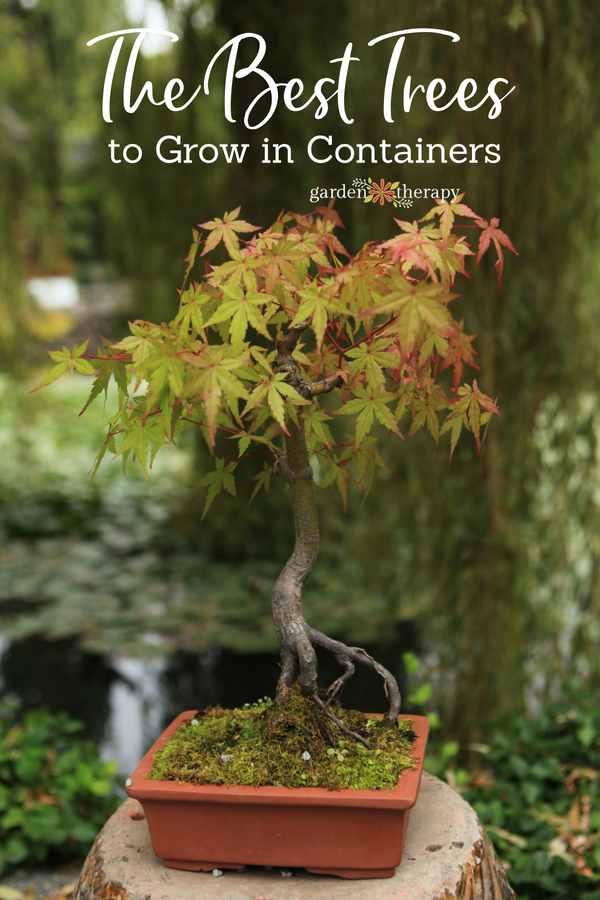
(326, 385)
(287, 343)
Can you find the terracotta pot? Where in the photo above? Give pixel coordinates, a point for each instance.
(351, 833)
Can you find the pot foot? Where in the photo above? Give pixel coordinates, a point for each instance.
(190, 865)
(354, 873)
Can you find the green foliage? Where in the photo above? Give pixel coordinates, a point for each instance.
(261, 744)
(535, 785)
(382, 334)
(55, 793)
(538, 795)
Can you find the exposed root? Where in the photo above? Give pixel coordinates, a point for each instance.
(353, 734)
(347, 657)
(298, 661)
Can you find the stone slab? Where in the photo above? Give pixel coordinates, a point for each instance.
(447, 856)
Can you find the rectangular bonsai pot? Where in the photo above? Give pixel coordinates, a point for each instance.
(350, 833)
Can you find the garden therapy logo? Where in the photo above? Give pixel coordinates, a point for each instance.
(380, 191)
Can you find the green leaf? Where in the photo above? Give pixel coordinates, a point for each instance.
(191, 257)
(366, 405)
(371, 358)
(225, 230)
(221, 477)
(316, 303)
(263, 480)
(67, 359)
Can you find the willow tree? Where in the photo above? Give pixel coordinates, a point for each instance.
(263, 338)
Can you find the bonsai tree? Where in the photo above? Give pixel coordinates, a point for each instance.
(272, 346)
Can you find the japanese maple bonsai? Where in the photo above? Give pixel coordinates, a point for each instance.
(260, 342)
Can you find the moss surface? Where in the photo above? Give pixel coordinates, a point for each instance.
(295, 747)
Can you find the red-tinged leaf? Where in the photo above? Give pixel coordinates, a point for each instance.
(470, 405)
(447, 210)
(459, 353)
(491, 232)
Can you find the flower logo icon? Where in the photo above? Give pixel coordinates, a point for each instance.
(382, 192)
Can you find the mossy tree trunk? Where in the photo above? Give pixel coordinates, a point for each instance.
(296, 638)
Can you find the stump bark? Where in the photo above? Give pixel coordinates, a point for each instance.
(447, 856)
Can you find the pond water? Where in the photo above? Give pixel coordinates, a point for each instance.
(125, 703)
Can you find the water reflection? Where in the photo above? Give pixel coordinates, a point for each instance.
(125, 703)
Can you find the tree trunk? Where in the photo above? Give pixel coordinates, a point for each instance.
(296, 638)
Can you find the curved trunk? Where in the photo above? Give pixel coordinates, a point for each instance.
(297, 653)
(296, 639)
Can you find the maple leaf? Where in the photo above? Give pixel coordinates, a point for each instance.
(415, 306)
(108, 368)
(143, 339)
(67, 359)
(317, 432)
(240, 311)
(221, 477)
(337, 472)
(425, 407)
(240, 268)
(216, 382)
(190, 259)
(163, 368)
(225, 230)
(275, 389)
(447, 210)
(279, 261)
(366, 405)
(417, 247)
(138, 434)
(312, 246)
(263, 480)
(372, 358)
(367, 461)
(459, 351)
(316, 302)
(473, 409)
(491, 232)
(190, 317)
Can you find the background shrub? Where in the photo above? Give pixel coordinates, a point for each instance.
(55, 792)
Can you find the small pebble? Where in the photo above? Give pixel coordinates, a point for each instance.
(194, 722)
(225, 757)
(217, 873)
(128, 783)
(306, 756)
(286, 873)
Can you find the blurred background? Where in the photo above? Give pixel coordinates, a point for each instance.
(117, 604)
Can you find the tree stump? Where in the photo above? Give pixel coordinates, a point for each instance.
(447, 856)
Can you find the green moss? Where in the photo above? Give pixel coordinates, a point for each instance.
(265, 745)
